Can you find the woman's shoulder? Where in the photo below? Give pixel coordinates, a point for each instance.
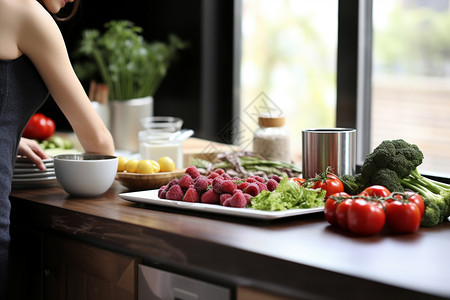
(16, 6)
(14, 14)
(34, 21)
(21, 10)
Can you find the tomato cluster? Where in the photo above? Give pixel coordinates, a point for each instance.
(368, 212)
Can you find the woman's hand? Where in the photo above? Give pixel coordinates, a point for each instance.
(31, 149)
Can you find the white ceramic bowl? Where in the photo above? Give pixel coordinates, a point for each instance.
(85, 175)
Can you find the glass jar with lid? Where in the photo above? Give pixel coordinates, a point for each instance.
(155, 140)
(271, 140)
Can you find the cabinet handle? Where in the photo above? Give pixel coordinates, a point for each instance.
(48, 272)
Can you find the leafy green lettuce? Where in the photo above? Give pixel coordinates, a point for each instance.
(289, 195)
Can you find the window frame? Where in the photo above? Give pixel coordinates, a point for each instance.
(354, 71)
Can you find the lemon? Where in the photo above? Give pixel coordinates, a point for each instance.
(145, 166)
(121, 165)
(166, 164)
(131, 165)
(156, 166)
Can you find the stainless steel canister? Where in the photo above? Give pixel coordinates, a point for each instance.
(328, 147)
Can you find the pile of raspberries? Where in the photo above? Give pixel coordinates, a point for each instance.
(216, 188)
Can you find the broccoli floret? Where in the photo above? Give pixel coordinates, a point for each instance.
(353, 184)
(436, 197)
(431, 216)
(387, 178)
(396, 155)
(387, 164)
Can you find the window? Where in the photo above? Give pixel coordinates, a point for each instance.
(288, 65)
(411, 78)
(392, 78)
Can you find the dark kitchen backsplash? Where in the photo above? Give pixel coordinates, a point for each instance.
(199, 85)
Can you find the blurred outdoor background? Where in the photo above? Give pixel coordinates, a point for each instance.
(289, 60)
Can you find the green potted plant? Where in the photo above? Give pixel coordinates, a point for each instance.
(132, 69)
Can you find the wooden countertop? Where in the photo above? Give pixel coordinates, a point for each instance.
(298, 256)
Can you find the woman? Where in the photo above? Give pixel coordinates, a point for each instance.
(34, 62)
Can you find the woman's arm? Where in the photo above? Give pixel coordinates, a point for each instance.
(41, 40)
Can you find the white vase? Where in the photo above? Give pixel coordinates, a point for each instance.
(104, 112)
(126, 119)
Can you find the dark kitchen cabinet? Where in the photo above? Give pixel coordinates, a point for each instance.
(53, 267)
(25, 264)
(75, 270)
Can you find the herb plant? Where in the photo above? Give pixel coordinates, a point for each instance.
(129, 65)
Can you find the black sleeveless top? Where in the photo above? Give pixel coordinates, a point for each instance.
(22, 92)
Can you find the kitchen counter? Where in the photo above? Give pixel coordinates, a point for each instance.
(298, 257)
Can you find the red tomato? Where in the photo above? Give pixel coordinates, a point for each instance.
(39, 127)
(299, 181)
(417, 200)
(331, 206)
(331, 184)
(342, 211)
(376, 191)
(403, 217)
(365, 217)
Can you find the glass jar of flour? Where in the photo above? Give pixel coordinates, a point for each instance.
(271, 140)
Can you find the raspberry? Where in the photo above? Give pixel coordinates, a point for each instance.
(217, 185)
(219, 171)
(193, 172)
(175, 193)
(171, 183)
(252, 189)
(259, 178)
(213, 175)
(262, 186)
(162, 192)
(272, 184)
(223, 197)
(276, 177)
(185, 181)
(210, 197)
(248, 197)
(227, 202)
(201, 184)
(243, 185)
(250, 180)
(228, 186)
(191, 195)
(238, 200)
(225, 176)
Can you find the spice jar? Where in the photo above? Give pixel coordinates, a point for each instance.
(271, 140)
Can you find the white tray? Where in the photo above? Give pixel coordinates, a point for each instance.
(151, 197)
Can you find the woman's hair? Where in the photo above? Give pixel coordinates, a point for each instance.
(72, 13)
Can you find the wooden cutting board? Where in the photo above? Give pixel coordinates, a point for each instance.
(208, 150)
